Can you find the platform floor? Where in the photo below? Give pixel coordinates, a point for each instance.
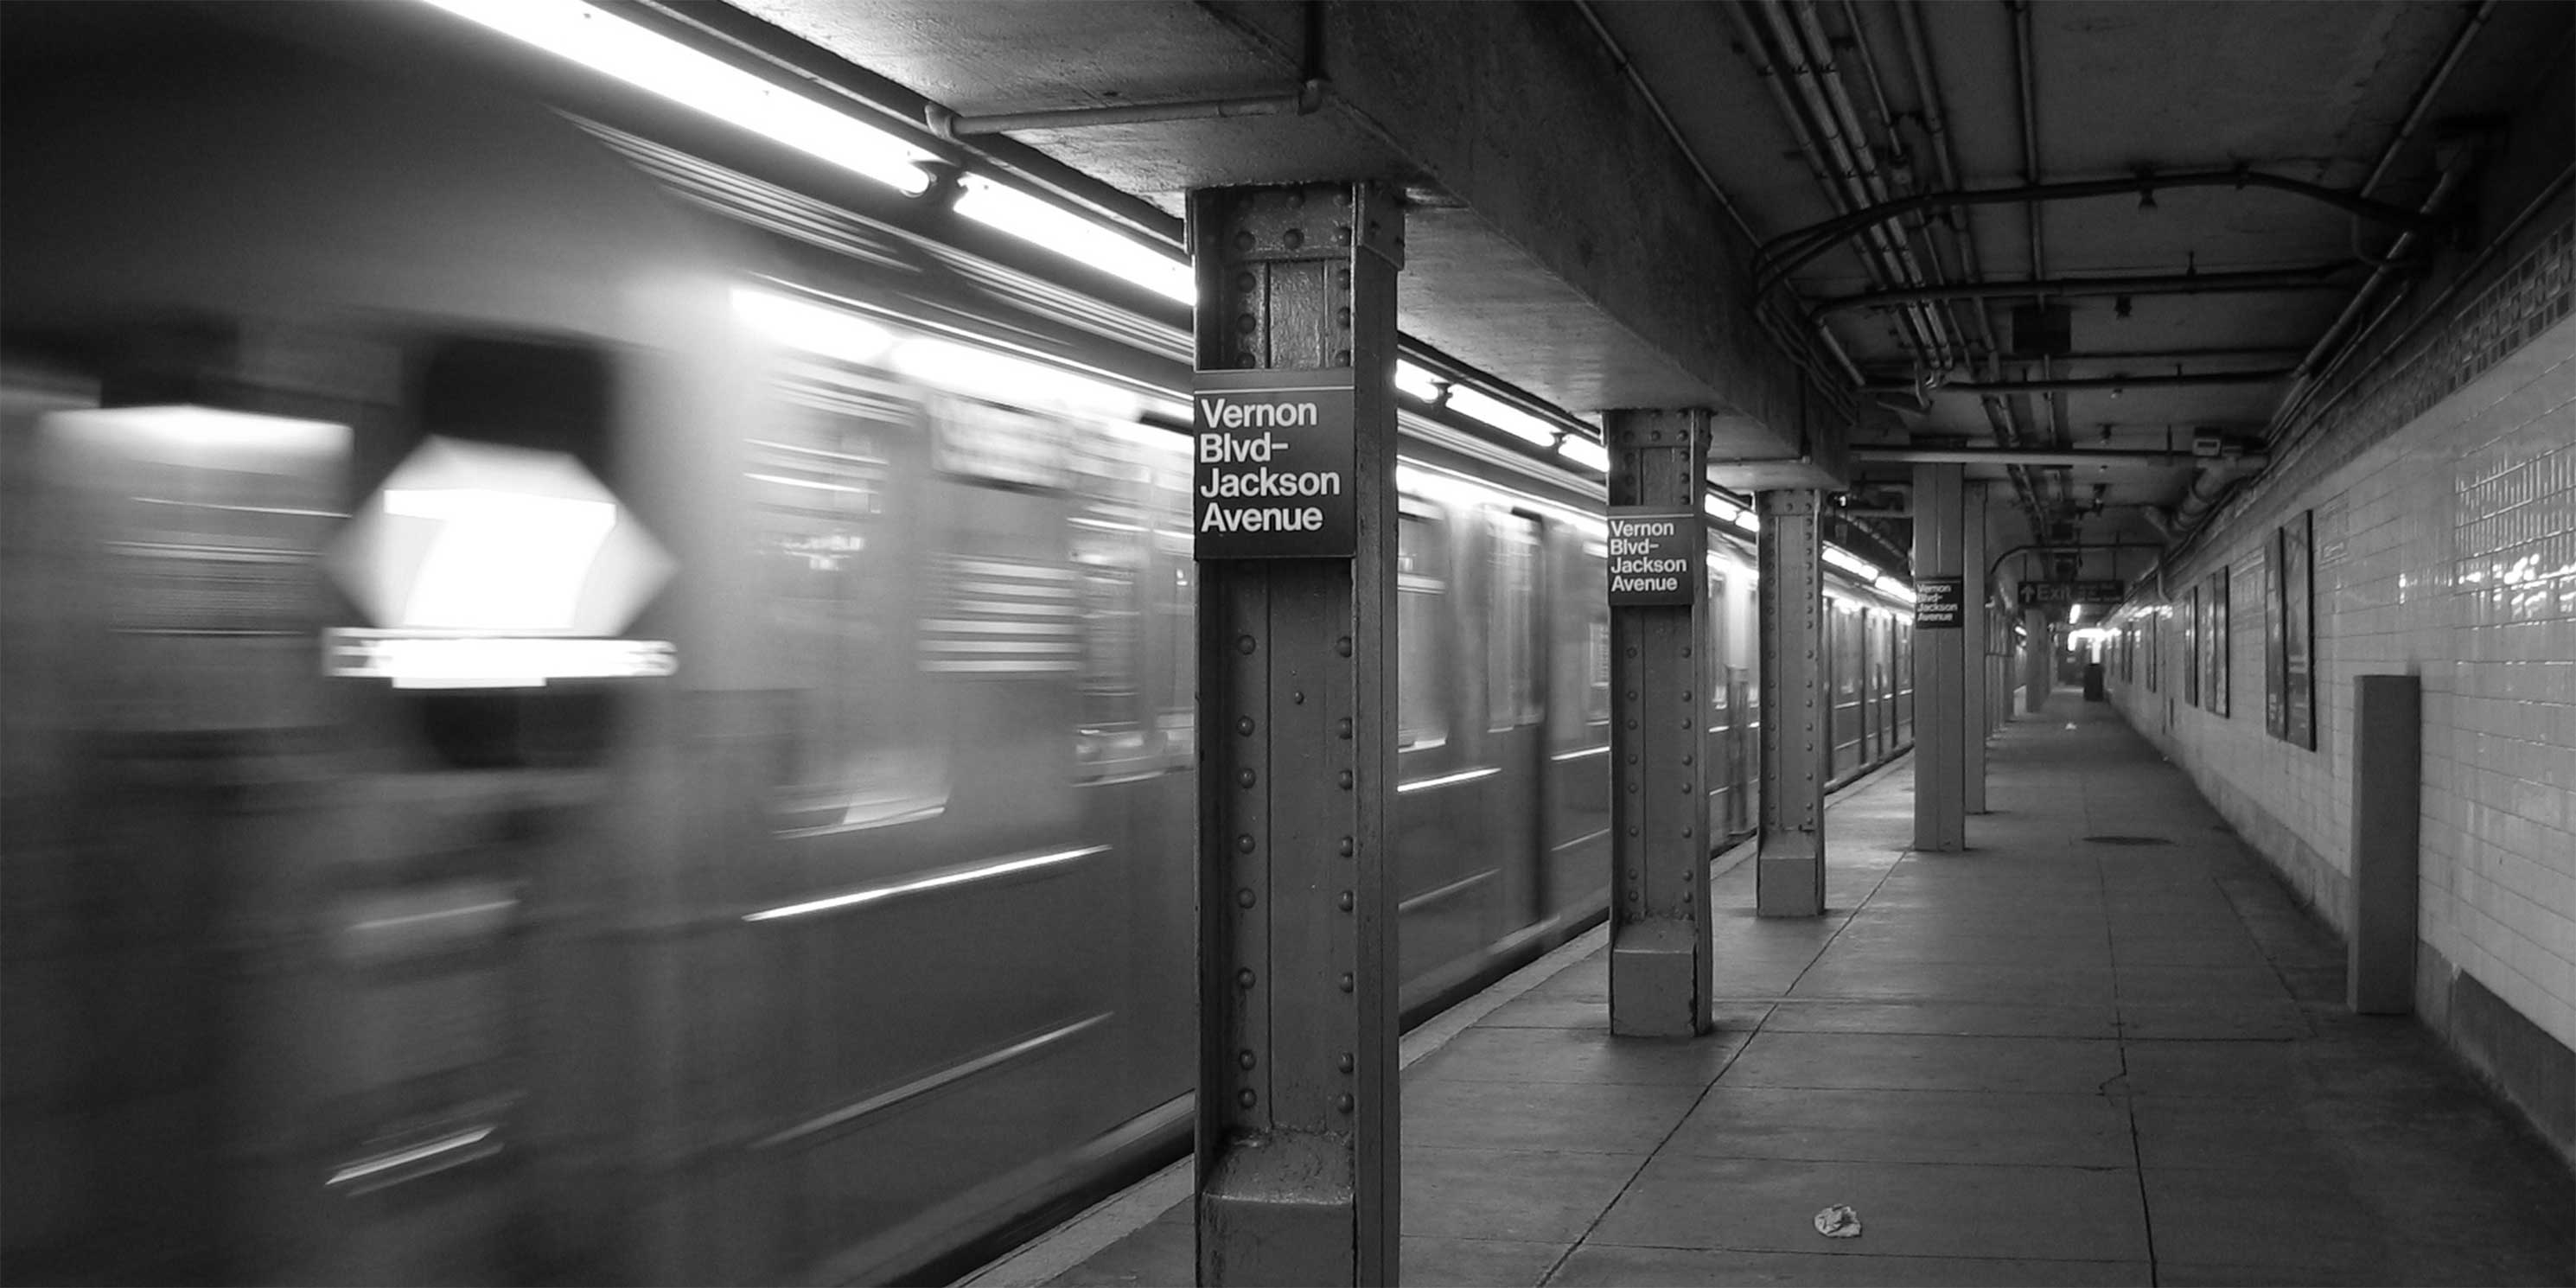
(2102, 1047)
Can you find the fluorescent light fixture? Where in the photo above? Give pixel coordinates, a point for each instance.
(1416, 381)
(654, 62)
(1060, 230)
(500, 560)
(1851, 563)
(1502, 416)
(2074, 613)
(1586, 452)
(814, 328)
(1894, 589)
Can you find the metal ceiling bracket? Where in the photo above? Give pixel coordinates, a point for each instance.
(1304, 102)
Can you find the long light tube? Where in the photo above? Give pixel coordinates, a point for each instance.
(1502, 416)
(654, 62)
(1066, 233)
(1585, 452)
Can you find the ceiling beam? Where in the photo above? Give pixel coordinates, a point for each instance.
(2025, 456)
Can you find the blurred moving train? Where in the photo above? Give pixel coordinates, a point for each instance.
(338, 953)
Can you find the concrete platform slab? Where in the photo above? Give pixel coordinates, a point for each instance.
(2048, 1060)
(1907, 1127)
(1906, 1209)
(1607, 1265)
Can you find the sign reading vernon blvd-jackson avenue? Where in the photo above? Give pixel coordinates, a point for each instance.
(1274, 461)
(1655, 557)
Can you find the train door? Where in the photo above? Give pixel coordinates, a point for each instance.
(1578, 790)
(1516, 705)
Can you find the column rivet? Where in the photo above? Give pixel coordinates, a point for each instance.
(1243, 978)
(1244, 843)
(1243, 898)
(1344, 778)
(1347, 982)
(1245, 644)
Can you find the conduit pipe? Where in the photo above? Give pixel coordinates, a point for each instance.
(1825, 159)
(1304, 102)
(1963, 248)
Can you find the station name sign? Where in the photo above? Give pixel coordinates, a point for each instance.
(2033, 594)
(1274, 465)
(1937, 602)
(1657, 557)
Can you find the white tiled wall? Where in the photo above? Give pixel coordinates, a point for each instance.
(2447, 550)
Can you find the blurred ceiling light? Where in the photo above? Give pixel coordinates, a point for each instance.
(654, 62)
(1851, 563)
(1892, 588)
(1585, 452)
(814, 328)
(1015, 212)
(1496, 414)
(1417, 382)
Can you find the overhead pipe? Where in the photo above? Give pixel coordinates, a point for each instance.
(1673, 131)
(1801, 25)
(1776, 77)
(1963, 247)
(2313, 277)
(2075, 457)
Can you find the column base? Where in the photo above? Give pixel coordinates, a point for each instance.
(1657, 987)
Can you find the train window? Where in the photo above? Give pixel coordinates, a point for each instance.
(1596, 643)
(838, 546)
(1113, 548)
(1717, 669)
(542, 396)
(1422, 594)
(1511, 687)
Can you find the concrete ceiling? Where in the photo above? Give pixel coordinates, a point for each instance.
(1562, 237)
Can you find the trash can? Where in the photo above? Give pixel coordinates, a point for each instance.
(2093, 682)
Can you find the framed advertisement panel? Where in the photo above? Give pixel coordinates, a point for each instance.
(2298, 631)
(2191, 643)
(2217, 648)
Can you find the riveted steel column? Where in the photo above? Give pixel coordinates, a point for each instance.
(1659, 669)
(1297, 1106)
(1940, 667)
(1975, 623)
(1797, 712)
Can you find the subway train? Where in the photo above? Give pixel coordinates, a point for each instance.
(575, 715)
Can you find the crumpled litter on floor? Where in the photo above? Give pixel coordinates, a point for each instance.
(1838, 1222)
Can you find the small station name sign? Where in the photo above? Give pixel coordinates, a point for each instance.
(1657, 557)
(1937, 602)
(1275, 461)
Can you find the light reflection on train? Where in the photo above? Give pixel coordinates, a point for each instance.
(865, 934)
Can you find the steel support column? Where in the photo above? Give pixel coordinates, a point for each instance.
(1789, 876)
(1659, 669)
(1974, 623)
(1940, 668)
(1297, 1108)
(2038, 664)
